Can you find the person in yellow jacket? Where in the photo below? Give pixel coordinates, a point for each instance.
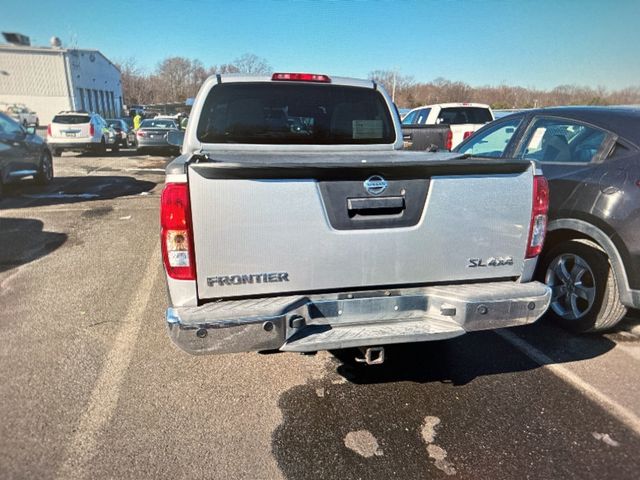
(136, 121)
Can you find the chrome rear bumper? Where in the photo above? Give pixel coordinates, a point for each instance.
(354, 319)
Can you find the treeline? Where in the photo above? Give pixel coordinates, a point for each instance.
(409, 93)
(177, 78)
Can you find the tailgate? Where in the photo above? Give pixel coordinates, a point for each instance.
(295, 223)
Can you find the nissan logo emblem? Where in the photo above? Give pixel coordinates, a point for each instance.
(375, 185)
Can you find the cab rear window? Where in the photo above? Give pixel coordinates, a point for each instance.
(461, 115)
(295, 113)
(71, 119)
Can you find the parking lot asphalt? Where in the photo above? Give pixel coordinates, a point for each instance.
(91, 386)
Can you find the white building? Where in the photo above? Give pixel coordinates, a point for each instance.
(49, 80)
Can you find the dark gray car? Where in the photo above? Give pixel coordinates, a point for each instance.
(22, 154)
(125, 135)
(591, 157)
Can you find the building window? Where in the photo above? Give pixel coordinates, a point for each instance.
(90, 100)
(116, 112)
(110, 102)
(82, 106)
(96, 99)
(104, 110)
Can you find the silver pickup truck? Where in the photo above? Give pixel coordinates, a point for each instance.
(294, 221)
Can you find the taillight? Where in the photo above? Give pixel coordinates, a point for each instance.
(467, 135)
(140, 133)
(301, 77)
(538, 225)
(176, 234)
(92, 130)
(448, 144)
(49, 129)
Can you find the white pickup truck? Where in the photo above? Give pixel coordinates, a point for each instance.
(463, 118)
(23, 115)
(294, 221)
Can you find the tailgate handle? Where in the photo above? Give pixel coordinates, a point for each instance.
(375, 206)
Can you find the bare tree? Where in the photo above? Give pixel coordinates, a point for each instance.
(177, 78)
(252, 65)
(134, 82)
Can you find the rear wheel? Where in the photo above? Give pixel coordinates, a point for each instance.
(45, 170)
(585, 295)
(102, 147)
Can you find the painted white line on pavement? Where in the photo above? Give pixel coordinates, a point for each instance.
(104, 397)
(631, 351)
(623, 414)
(143, 169)
(19, 212)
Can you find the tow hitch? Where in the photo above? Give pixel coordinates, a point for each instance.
(372, 356)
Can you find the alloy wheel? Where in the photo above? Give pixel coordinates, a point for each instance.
(47, 167)
(572, 282)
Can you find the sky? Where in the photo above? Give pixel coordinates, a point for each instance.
(538, 44)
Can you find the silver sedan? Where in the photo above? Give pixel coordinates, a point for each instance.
(152, 134)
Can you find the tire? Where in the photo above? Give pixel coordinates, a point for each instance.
(57, 152)
(115, 148)
(585, 295)
(140, 151)
(1, 188)
(102, 147)
(45, 171)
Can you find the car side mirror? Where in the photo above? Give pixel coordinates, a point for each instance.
(31, 129)
(175, 138)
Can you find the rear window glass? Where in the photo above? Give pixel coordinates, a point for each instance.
(460, 115)
(289, 113)
(71, 119)
(157, 124)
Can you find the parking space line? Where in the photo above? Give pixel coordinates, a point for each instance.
(623, 414)
(104, 397)
(19, 212)
(631, 351)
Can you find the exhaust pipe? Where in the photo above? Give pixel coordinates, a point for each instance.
(372, 356)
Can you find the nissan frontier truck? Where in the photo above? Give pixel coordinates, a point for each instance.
(293, 220)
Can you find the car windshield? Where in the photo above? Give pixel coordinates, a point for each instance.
(152, 123)
(71, 119)
(297, 113)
